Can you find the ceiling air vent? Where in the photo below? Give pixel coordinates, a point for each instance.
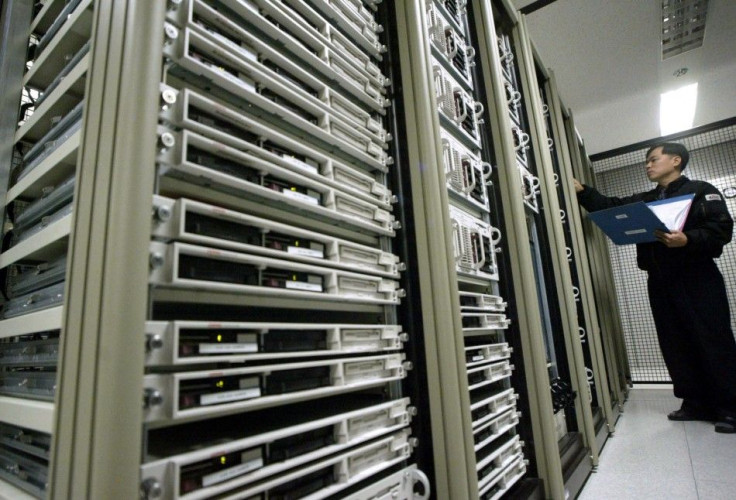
(683, 25)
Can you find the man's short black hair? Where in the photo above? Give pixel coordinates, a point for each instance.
(674, 149)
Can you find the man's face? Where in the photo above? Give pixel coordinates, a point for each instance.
(662, 167)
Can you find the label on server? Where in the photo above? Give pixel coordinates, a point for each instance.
(301, 285)
(306, 252)
(229, 347)
(248, 463)
(300, 196)
(244, 342)
(249, 388)
(299, 163)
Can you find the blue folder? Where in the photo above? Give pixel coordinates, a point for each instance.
(632, 223)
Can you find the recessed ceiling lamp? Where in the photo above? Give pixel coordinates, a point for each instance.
(683, 25)
(677, 109)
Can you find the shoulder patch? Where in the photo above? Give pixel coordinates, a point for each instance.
(712, 197)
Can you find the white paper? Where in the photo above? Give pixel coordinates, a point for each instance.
(672, 214)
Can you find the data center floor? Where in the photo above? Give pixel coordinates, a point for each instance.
(650, 457)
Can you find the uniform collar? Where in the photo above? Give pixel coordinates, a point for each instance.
(673, 186)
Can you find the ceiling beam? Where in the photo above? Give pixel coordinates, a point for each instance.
(534, 6)
(728, 122)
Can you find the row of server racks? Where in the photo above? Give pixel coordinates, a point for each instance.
(281, 249)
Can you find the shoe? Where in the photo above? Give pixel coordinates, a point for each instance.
(685, 415)
(726, 425)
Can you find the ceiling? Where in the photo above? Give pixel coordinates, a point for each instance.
(606, 59)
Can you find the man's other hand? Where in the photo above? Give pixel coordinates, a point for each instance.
(673, 239)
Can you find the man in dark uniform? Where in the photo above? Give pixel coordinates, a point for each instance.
(686, 290)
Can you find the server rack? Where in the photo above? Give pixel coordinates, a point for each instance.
(602, 359)
(612, 393)
(158, 285)
(532, 317)
(600, 275)
(604, 412)
(544, 221)
(344, 124)
(584, 319)
(289, 194)
(435, 273)
(572, 414)
(459, 229)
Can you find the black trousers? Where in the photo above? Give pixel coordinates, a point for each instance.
(693, 322)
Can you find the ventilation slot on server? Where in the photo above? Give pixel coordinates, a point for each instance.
(24, 279)
(283, 382)
(207, 119)
(294, 108)
(474, 177)
(456, 47)
(303, 486)
(28, 383)
(205, 159)
(286, 75)
(286, 341)
(222, 229)
(41, 349)
(300, 444)
(203, 269)
(24, 471)
(487, 451)
(456, 8)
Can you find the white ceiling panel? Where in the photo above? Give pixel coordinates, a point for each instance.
(607, 60)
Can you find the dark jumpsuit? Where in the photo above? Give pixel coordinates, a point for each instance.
(688, 296)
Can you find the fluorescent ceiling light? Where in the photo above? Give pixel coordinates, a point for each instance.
(677, 109)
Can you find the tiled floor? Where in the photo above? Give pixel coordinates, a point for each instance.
(651, 458)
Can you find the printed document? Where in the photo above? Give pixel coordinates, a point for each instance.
(673, 211)
(636, 222)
